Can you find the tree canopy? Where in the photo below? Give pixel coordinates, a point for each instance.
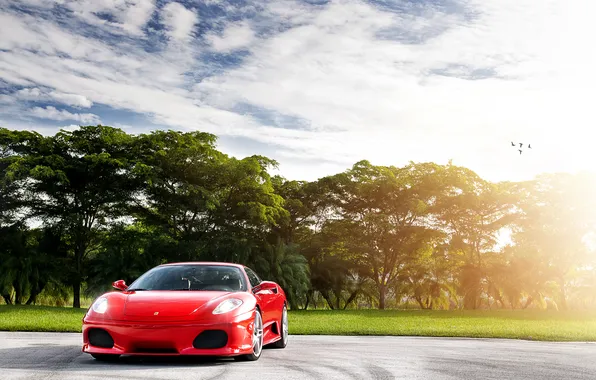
(82, 208)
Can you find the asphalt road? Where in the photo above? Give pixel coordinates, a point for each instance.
(58, 356)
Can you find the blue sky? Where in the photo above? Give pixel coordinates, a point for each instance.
(315, 84)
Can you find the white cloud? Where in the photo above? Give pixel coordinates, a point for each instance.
(378, 99)
(179, 21)
(234, 37)
(52, 113)
(5, 99)
(71, 127)
(35, 94)
(41, 3)
(29, 94)
(384, 86)
(70, 99)
(130, 16)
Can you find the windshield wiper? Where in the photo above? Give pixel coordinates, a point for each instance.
(134, 290)
(181, 289)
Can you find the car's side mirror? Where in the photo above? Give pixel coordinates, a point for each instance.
(266, 285)
(120, 285)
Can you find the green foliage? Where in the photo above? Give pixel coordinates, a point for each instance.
(210, 205)
(126, 252)
(29, 261)
(108, 205)
(77, 181)
(284, 264)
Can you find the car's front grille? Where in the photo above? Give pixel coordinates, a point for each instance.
(211, 339)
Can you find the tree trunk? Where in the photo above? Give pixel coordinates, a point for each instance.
(34, 293)
(32, 298)
(18, 294)
(7, 299)
(419, 300)
(76, 291)
(497, 296)
(563, 293)
(307, 299)
(382, 293)
(471, 300)
(351, 298)
(76, 285)
(292, 301)
(328, 299)
(293, 304)
(528, 302)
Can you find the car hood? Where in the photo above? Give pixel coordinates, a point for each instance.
(160, 305)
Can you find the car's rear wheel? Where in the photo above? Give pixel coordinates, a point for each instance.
(257, 339)
(106, 357)
(285, 332)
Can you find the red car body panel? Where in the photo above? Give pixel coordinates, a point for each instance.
(165, 322)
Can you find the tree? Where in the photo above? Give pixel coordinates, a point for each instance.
(304, 202)
(29, 260)
(283, 264)
(15, 255)
(126, 252)
(385, 212)
(113, 205)
(210, 205)
(473, 212)
(248, 209)
(557, 216)
(79, 180)
(11, 181)
(335, 272)
(304, 227)
(429, 278)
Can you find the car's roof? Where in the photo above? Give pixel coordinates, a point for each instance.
(205, 263)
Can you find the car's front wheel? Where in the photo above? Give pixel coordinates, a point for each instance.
(106, 357)
(257, 339)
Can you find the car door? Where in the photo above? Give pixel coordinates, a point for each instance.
(266, 298)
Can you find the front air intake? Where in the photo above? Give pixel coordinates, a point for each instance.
(211, 339)
(100, 338)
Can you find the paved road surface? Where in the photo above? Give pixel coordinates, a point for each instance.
(58, 356)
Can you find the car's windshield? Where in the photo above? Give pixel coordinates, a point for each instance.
(192, 277)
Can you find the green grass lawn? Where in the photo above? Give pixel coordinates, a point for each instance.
(40, 318)
(517, 324)
(527, 324)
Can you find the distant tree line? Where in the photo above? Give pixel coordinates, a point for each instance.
(83, 208)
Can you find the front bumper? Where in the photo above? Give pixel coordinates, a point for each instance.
(171, 339)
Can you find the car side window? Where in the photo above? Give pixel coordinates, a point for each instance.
(252, 277)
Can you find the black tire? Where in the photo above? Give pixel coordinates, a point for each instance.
(106, 357)
(257, 340)
(283, 326)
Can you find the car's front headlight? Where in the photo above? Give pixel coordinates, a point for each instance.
(100, 305)
(227, 306)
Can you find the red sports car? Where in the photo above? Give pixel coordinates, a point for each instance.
(196, 308)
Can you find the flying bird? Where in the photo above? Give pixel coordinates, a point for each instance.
(521, 146)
